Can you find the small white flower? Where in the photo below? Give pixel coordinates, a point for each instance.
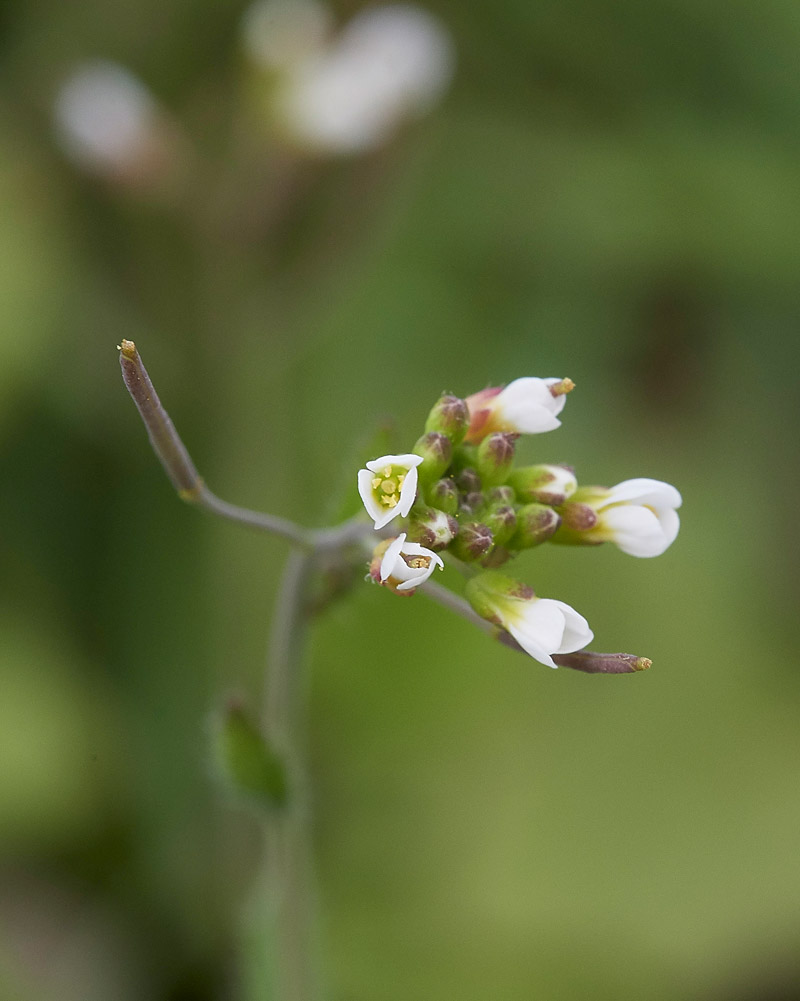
(542, 626)
(388, 486)
(406, 565)
(105, 117)
(639, 515)
(525, 406)
(388, 63)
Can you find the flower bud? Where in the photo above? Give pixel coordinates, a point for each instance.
(471, 503)
(536, 523)
(544, 484)
(468, 480)
(432, 528)
(449, 416)
(543, 627)
(443, 495)
(496, 457)
(524, 406)
(473, 541)
(501, 495)
(496, 557)
(436, 450)
(502, 520)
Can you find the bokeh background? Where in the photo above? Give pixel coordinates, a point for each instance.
(605, 190)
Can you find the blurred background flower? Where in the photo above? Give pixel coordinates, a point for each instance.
(606, 191)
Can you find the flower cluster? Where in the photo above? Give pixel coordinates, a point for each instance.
(458, 491)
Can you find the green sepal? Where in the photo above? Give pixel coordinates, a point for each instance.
(247, 762)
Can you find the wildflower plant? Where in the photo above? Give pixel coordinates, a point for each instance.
(458, 499)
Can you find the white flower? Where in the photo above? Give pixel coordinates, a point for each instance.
(542, 626)
(105, 117)
(406, 565)
(388, 63)
(388, 486)
(280, 34)
(639, 515)
(525, 406)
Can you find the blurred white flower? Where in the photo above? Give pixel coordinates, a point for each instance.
(105, 117)
(387, 64)
(406, 565)
(279, 34)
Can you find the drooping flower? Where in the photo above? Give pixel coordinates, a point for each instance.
(388, 486)
(639, 515)
(524, 406)
(542, 626)
(405, 565)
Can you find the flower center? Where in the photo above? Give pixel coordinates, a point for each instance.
(386, 486)
(417, 562)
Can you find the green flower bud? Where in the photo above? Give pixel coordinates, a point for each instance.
(496, 557)
(577, 521)
(431, 528)
(502, 520)
(474, 540)
(501, 495)
(443, 495)
(536, 523)
(436, 450)
(471, 503)
(450, 417)
(543, 484)
(468, 480)
(496, 457)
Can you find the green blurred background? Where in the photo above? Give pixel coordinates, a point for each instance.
(609, 191)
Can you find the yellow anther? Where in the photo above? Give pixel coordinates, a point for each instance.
(387, 471)
(388, 486)
(375, 481)
(419, 562)
(401, 481)
(390, 500)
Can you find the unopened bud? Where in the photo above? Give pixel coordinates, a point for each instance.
(450, 416)
(502, 520)
(562, 387)
(436, 451)
(468, 480)
(578, 517)
(543, 484)
(496, 557)
(471, 503)
(431, 528)
(501, 495)
(603, 663)
(496, 457)
(443, 495)
(473, 541)
(536, 523)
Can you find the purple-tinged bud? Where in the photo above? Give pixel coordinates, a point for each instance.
(431, 528)
(501, 495)
(450, 416)
(544, 484)
(603, 663)
(473, 541)
(577, 522)
(502, 520)
(443, 495)
(436, 450)
(536, 523)
(496, 457)
(468, 480)
(496, 557)
(470, 504)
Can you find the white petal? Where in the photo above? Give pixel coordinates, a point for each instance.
(577, 633)
(654, 493)
(407, 461)
(391, 556)
(374, 510)
(528, 406)
(408, 492)
(635, 529)
(530, 645)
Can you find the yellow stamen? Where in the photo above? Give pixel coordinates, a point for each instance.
(375, 481)
(419, 562)
(400, 481)
(387, 471)
(562, 388)
(390, 501)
